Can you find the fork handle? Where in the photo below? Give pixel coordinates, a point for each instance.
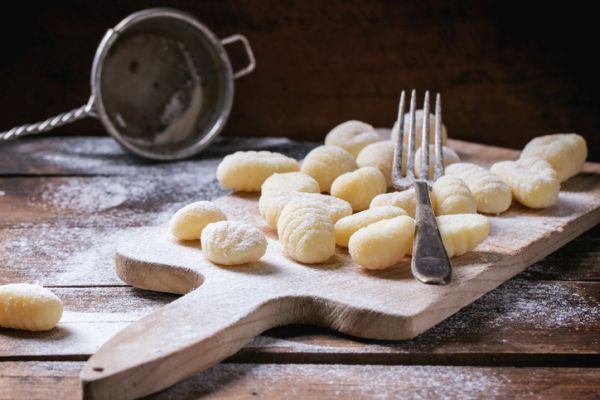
(430, 263)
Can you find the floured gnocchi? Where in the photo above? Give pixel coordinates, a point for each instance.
(453, 196)
(383, 243)
(533, 181)
(290, 182)
(359, 187)
(462, 232)
(271, 204)
(566, 152)
(404, 199)
(325, 163)
(29, 307)
(188, 222)
(352, 136)
(419, 129)
(232, 243)
(379, 155)
(347, 226)
(306, 231)
(245, 171)
(492, 195)
(450, 157)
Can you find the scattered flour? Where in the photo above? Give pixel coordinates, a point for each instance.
(85, 216)
(349, 381)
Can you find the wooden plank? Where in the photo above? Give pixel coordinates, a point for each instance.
(578, 260)
(42, 380)
(103, 156)
(236, 304)
(140, 196)
(90, 156)
(117, 201)
(520, 323)
(56, 255)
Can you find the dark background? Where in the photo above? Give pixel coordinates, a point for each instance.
(508, 71)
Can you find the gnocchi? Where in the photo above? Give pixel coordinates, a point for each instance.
(379, 155)
(453, 196)
(462, 232)
(419, 129)
(271, 204)
(232, 243)
(306, 231)
(290, 182)
(450, 157)
(325, 163)
(246, 171)
(29, 307)
(352, 136)
(533, 181)
(359, 187)
(566, 152)
(492, 195)
(404, 199)
(347, 226)
(188, 222)
(383, 243)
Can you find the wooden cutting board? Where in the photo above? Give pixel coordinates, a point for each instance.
(226, 307)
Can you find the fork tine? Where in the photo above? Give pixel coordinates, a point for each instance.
(439, 153)
(397, 163)
(425, 140)
(410, 154)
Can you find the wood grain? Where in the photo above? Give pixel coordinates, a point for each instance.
(508, 326)
(100, 156)
(41, 380)
(278, 291)
(547, 316)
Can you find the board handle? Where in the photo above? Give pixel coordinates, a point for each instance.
(187, 336)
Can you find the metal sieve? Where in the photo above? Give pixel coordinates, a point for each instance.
(162, 85)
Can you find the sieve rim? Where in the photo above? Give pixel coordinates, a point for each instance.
(209, 132)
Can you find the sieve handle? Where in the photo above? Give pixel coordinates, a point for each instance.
(251, 60)
(50, 123)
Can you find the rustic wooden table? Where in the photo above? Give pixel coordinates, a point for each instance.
(64, 202)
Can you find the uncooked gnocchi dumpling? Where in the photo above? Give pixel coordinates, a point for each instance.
(347, 226)
(29, 307)
(232, 243)
(325, 163)
(359, 187)
(352, 136)
(450, 157)
(453, 196)
(290, 182)
(566, 152)
(379, 155)
(533, 181)
(383, 243)
(306, 231)
(419, 129)
(271, 204)
(246, 171)
(404, 199)
(462, 232)
(492, 195)
(188, 222)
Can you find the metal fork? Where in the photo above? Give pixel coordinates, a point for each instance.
(430, 263)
